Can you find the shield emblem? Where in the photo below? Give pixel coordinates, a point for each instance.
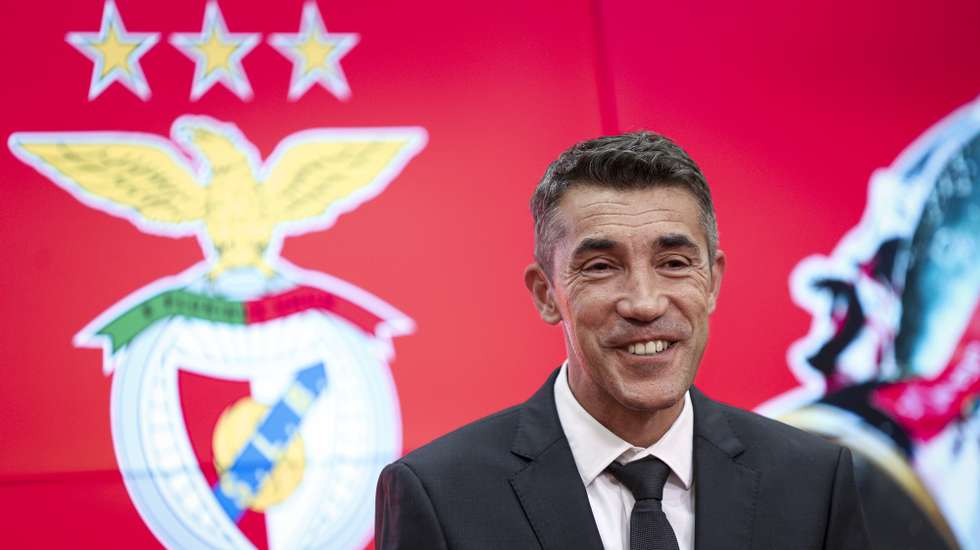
(252, 405)
(304, 415)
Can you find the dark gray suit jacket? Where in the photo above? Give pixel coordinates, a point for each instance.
(509, 481)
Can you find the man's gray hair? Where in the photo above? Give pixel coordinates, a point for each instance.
(637, 160)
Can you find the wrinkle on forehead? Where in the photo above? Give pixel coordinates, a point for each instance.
(630, 225)
(647, 217)
(640, 213)
(604, 201)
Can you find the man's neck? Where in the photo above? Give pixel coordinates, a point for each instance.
(638, 427)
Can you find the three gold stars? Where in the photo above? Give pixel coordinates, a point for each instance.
(217, 54)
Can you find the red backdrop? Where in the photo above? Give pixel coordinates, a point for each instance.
(788, 110)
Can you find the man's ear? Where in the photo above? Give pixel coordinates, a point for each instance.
(717, 272)
(536, 281)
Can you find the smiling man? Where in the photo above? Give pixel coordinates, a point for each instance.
(618, 450)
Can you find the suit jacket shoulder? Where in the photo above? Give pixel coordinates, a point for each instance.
(475, 445)
(771, 439)
(433, 496)
(505, 481)
(760, 483)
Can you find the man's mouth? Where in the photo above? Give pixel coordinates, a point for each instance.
(651, 347)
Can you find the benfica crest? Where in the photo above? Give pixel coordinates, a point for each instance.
(314, 413)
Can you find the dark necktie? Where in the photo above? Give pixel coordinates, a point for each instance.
(649, 528)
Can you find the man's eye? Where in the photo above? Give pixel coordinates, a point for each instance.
(598, 267)
(676, 263)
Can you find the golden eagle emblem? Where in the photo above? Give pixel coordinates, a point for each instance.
(208, 179)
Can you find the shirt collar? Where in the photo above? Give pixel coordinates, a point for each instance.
(594, 447)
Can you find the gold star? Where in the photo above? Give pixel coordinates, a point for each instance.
(315, 53)
(217, 53)
(115, 52)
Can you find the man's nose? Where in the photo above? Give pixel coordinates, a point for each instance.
(643, 297)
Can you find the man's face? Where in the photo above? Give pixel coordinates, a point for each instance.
(630, 276)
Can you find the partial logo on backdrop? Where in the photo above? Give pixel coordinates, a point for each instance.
(285, 368)
(891, 365)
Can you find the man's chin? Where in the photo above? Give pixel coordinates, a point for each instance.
(651, 402)
(652, 383)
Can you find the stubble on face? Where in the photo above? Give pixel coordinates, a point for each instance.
(631, 271)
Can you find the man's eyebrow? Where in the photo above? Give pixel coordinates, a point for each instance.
(593, 244)
(674, 241)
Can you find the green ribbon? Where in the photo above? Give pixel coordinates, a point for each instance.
(170, 303)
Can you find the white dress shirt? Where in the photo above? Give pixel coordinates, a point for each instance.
(594, 447)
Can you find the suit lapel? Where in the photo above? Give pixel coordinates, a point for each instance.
(549, 487)
(725, 490)
(555, 502)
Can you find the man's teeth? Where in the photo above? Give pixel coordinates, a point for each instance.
(648, 348)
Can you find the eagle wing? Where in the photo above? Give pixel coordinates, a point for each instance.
(318, 173)
(120, 173)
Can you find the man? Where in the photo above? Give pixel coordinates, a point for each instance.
(627, 262)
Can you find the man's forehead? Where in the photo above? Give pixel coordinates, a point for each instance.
(592, 199)
(590, 207)
(590, 216)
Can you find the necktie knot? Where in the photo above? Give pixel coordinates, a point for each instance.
(649, 527)
(644, 478)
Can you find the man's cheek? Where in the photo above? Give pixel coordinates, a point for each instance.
(697, 287)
